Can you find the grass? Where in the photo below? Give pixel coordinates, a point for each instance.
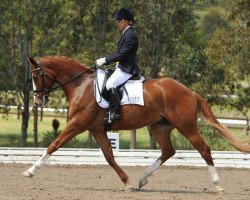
(142, 139)
(10, 132)
(10, 135)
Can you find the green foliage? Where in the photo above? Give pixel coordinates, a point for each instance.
(226, 79)
(6, 99)
(211, 137)
(211, 21)
(169, 40)
(180, 142)
(50, 136)
(228, 73)
(13, 139)
(58, 100)
(239, 10)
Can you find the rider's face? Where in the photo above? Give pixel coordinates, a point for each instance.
(122, 24)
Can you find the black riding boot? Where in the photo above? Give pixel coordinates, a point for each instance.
(114, 106)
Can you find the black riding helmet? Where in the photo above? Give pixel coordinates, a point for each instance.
(124, 13)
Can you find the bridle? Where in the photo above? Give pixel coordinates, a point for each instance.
(46, 91)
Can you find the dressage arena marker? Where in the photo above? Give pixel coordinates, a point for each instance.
(79, 156)
(114, 140)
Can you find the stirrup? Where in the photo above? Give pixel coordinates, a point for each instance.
(111, 117)
(115, 116)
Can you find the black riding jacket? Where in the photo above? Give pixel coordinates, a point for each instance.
(126, 52)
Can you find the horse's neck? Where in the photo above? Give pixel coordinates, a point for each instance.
(74, 87)
(83, 91)
(65, 72)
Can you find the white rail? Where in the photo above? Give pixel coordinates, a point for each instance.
(75, 156)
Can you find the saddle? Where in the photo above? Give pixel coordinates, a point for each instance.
(130, 92)
(120, 89)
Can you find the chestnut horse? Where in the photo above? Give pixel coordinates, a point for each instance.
(167, 105)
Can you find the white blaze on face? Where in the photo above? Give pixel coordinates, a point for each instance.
(34, 87)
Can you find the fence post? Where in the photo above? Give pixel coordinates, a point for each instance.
(133, 139)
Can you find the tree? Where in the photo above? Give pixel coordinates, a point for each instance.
(228, 54)
(170, 43)
(228, 58)
(211, 21)
(90, 34)
(239, 12)
(21, 40)
(21, 23)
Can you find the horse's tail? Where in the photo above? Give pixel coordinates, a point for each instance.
(204, 108)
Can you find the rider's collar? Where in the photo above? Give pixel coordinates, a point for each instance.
(126, 29)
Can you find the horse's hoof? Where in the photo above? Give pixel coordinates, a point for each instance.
(142, 182)
(129, 189)
(27, 174)
(220, 191)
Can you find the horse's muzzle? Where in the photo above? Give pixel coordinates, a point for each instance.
(41, 101)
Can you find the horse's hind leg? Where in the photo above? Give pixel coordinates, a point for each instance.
(162, 136)
(198, 143)
(104, 143)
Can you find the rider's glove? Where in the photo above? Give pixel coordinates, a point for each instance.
(99, 62)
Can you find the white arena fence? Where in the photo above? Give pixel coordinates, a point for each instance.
(76, 156)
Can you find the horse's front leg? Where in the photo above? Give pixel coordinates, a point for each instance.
(71, 130)
(104, 143)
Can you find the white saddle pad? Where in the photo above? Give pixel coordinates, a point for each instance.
(134, 90)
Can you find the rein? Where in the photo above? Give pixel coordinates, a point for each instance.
(71, 79)
(48, 91)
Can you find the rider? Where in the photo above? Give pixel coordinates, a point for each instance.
(125, 56)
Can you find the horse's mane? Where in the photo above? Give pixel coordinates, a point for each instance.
(63, 59)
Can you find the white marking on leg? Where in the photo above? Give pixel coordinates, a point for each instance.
(148, 172)
(215, 178)
(213, 173)
(38, 164)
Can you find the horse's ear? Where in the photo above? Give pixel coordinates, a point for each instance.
(32, 61)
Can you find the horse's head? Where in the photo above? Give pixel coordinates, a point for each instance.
(42, 83)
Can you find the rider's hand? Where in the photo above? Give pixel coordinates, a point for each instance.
(99, 62)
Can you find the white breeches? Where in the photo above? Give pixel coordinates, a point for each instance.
(117, 78)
